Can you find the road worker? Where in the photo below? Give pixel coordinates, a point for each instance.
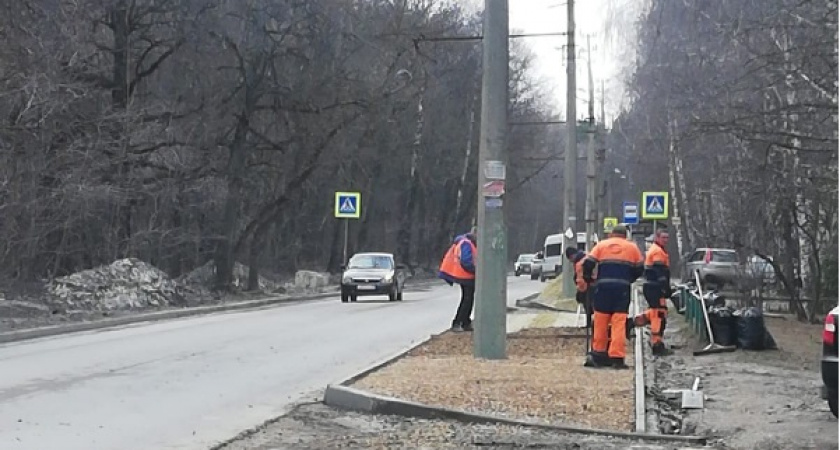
(577, 257)
(656, 289)
(458, 266)
(619, 264)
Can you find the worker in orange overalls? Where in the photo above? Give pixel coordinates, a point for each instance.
(619, 264)
(576, 257)
(458, 266)
(656, 289)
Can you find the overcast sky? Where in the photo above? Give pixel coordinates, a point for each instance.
(592, 17)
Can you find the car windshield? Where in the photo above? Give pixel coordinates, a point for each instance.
(552, 250)
(370, 262)
(724, 257)
(526, 258)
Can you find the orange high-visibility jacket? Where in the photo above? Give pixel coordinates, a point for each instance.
(451, 268)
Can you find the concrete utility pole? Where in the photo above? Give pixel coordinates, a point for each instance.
(490, 335)
(570, 163)
(599, 170)
(591, 216)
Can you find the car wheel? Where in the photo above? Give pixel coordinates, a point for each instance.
(392, 296)
(345, 297)
(353, 298)
(832, 402)
(542, 278)
(533, 276)
(517, 273)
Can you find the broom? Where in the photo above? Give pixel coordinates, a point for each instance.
(713, 347)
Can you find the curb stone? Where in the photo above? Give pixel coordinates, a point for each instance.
(55, 330)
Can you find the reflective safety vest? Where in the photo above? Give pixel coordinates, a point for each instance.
(451, 264)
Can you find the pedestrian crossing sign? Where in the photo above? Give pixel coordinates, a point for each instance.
(655, 205)
(348, 205)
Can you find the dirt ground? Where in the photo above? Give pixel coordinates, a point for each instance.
(318, 427)
(755, 400)
(543, 378)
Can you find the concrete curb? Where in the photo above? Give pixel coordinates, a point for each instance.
(345, 397)
(54, 330)
(639, 363)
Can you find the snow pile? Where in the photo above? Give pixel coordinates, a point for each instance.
(124, 284)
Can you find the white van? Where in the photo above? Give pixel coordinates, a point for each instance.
(554, 255)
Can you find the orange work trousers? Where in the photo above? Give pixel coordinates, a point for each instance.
(656, 318)
(609, 330)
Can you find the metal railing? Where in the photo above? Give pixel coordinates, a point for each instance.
(693, 307)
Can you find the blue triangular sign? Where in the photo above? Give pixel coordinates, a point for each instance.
(655, 206)
(348, 206)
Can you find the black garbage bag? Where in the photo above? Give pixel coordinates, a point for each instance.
(724, 325)
(752, 333)
(676, 300)
(714, 299)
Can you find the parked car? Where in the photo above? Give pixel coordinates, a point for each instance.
(536, 265)
(523, 264)
(372, 274)
(717, 266)
(828, 366)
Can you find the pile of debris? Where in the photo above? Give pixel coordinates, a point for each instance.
(124, 284)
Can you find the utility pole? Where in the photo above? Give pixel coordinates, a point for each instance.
(570, 163)
(600, 138)
(490, 335)
(591, 216)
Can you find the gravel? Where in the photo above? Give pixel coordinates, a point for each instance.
(318, 427)
(543, 378)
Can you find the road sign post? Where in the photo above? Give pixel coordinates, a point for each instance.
(348, 205)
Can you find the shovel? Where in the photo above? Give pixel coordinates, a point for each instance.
(713, 347)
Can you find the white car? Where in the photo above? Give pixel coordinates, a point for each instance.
(523, 264)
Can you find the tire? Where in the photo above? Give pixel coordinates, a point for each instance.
(517, 273)
(345, 297)
(542, 278)
(353, 298)
(533, 276)
(832, 402)
(392, 296)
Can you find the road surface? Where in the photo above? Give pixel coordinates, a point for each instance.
(192, 383)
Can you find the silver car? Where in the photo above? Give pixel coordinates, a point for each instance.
(718, 266)
(523, 264)
(372, 274)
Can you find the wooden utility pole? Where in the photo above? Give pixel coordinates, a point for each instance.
(490, 335)
(569, 227)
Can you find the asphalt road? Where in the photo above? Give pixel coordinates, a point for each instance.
(191, 383)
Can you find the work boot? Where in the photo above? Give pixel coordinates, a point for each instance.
(595, 359)
(618, 363)
(457, 328)
(659, 349)
(468, 327)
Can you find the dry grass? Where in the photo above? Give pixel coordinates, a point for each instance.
(543, 379)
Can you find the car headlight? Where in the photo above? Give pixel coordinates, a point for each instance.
(347, 280)
(389, 278)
